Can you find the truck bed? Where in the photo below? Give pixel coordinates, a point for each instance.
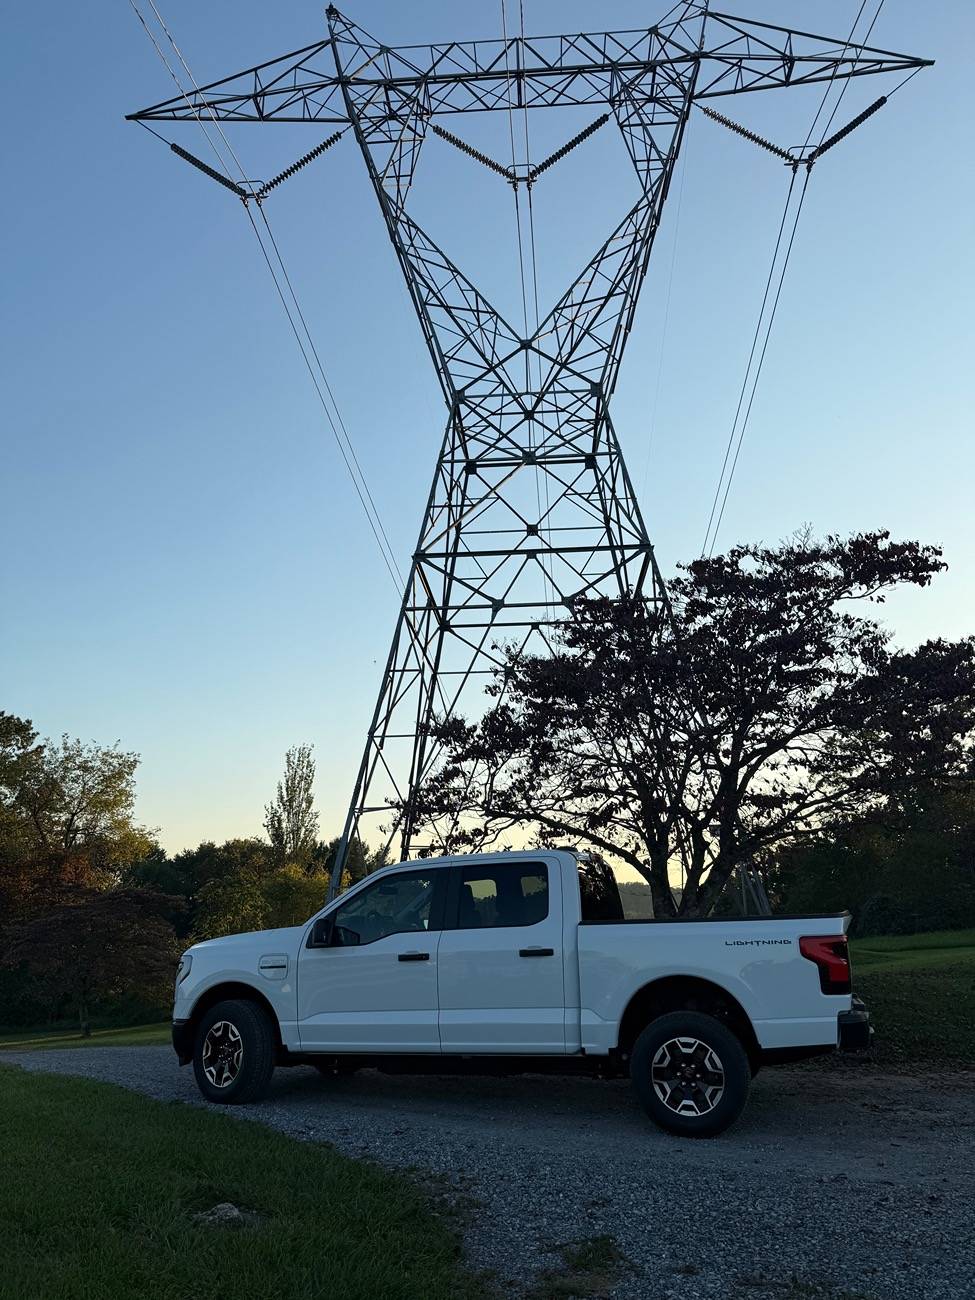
(757, 961)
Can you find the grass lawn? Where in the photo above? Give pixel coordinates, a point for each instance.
(920, 989)
(131, 1036)
(910, 950)
(100, 1187)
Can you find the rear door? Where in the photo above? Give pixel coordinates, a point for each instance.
(500, 964)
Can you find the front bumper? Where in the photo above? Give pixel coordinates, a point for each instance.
(855, 1029)
(183, 1040)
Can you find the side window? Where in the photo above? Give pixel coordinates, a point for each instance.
(599, 892)
(605, 897)
(397, 905)
(513, 894)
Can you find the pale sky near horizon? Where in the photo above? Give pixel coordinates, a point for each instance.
(186, 568)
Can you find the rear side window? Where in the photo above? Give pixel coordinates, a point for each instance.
(605, 897)
(514, 894)
(599, 893)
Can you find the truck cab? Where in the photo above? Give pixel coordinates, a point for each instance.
(519, 962)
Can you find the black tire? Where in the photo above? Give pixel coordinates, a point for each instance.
(243, 1053)
(331, 1068)
(710, 1082)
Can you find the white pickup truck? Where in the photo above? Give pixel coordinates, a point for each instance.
(518, 962)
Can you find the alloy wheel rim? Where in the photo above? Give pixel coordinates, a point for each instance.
(687, 1076)
(222, 1053)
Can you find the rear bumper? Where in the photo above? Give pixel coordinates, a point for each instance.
(183, 1041)
(855, 1029)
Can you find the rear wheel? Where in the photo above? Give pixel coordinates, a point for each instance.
(233, 1053)
(691, 1073)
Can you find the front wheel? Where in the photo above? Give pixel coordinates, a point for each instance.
(691, 1074)
(233, 1053)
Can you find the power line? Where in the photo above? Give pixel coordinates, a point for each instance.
(536, 314)
(547, 582)
(346, 449)
(832, 77)
(373, 517)
(748, 366)
(511, 136)
(843, 88)
(711, 535)
(761, 361)
(666, 318)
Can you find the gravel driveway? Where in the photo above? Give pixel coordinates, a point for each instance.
(835, 1183)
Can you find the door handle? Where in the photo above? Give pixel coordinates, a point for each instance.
(536, 952)
(413, 956)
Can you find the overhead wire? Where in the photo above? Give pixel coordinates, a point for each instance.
(364, 493)
(511, 136)
(320, 381)
(846, 83)
(832, 77)
(543, 474)
(547, 583)
(720, 499)
(666, 319)
(758, 369)
(748, 368)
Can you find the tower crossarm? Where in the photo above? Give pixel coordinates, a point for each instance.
(736, 55)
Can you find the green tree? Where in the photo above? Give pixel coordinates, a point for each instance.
(905, 868)
(67, 816)
(248, 896)
(359, 860)
(19, 752)
(290, 819)
(205, 875)
(97, 944)
(292, 895)
(750, 721)
(157, 870)
(233, 904)
(20, 755)
(210, 861)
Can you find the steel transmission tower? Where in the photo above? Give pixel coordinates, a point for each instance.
(531, 505)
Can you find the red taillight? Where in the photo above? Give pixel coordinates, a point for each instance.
(832, 957)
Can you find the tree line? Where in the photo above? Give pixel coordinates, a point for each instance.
(94, 912)
(763, 720)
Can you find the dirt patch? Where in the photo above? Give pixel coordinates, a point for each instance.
(587, 1270)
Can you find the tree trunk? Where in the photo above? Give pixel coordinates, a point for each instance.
(690, 902)
(660, 891)
(83, 1020)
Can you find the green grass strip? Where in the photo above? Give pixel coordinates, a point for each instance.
(905, 951)
(129, 1036)
(924, 1016)
(100, 1186)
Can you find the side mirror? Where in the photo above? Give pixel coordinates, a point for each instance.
(321, 933)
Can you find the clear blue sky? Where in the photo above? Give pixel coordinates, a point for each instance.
(185, 567)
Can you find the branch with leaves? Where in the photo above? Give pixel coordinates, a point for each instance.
(771, 707)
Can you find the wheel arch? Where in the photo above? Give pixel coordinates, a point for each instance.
(233, 989)
(686, 993)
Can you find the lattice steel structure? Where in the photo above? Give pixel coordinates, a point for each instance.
(531, 505)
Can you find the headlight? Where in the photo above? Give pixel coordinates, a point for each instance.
(185, 962)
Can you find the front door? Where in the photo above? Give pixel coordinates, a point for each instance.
(374, 989)
(500, 962)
